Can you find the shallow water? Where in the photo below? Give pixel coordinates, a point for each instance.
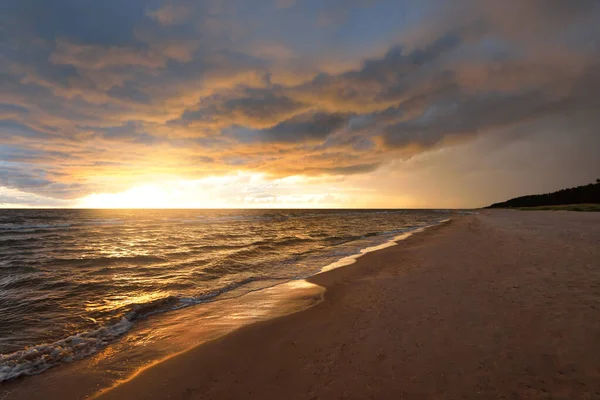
(73, 281)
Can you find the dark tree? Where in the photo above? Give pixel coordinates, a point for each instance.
(579, 195)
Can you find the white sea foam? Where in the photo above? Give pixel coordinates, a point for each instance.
(34, 360)
(351, 259)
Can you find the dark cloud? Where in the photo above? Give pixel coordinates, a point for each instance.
(32, 178)
(303, 128)
(336, 12)
(383, 82)
(12, 109)
(537, 19)
(131, 131)
(342, 170)
(107, 22)
(306, 127)
(17, 154)
(398, 64)
(255, 107)
(9, 128)
(129, 93)
(265, 106)
(467, 114)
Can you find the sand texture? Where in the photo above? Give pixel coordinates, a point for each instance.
(503, 304)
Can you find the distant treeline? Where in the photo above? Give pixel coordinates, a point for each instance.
(578, 195)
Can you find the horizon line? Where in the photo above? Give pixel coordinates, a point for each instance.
(238, 208)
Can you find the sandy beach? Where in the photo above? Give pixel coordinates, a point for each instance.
(502, 304)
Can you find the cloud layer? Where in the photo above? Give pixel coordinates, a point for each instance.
(99, 96)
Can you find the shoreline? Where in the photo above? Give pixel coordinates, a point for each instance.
(497, 304)
(283, 299)
(490, 305)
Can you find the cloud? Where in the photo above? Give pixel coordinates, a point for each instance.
(337, 11)
(11, 128)
(343, 170)
(305, 127)
(171, 14)
(381, 82)
(8, 111)
(15, 198)
(253, 107)
(131, 131)
(101, 96)
(285, 3)
(99, 57)
(31, 178)
(537, 19)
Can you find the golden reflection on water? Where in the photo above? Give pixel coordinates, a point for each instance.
(119, 301)
(157, 339)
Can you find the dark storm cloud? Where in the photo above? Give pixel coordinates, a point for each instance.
(381, 80)
(303, 128)
(253, 107)
(306, 127)
(467, 114)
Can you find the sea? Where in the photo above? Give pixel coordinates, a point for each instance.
(73, 282)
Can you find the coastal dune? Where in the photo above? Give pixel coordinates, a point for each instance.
(501, 304)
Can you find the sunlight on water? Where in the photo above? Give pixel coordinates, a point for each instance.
(72, 281)
(116, 302)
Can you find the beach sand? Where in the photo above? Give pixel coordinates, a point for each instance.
(502, 304)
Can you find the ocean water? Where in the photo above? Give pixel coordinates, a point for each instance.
(75, 281)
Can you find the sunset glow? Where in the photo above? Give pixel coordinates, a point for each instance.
(242, 190)
(175, 170)
(364, 103)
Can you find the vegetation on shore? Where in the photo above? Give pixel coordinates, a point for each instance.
(580, 198)
(566, 207)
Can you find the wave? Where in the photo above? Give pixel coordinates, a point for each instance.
(8, 228)
(16, 228)
(276, 216)
(18, 242)
(228, 288)
(37, 359)
(105, 221)
(398, 234)
(236, 251)
(152, 307)
(21, 281)
(103, 261)
(33, 226)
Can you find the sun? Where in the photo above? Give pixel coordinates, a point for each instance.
(144, 196)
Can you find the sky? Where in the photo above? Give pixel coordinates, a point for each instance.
(296, 103)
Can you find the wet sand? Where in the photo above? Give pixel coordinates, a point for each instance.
(504, 304)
